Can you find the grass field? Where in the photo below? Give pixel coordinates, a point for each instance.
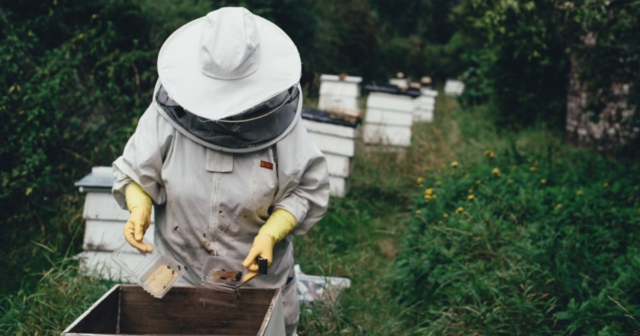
(364, 237)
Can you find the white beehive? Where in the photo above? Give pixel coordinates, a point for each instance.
(104, 222)
(337, 141)
(339, 92)
(425, 105)
(453, 87)
(389, 116)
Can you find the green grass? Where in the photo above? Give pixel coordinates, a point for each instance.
(370, 235)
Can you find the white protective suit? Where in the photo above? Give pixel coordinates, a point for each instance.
(211, 202)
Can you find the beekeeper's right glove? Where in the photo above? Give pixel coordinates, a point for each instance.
(139, 204)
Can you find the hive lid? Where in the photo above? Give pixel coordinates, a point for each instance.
(413, 93)
(100, 179)
(325, 117)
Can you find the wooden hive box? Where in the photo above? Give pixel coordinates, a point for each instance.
(389, 117)
(339, 92)
(425, 105)
(129, 310)
(337, 140)
(453, 87)
(104, 222)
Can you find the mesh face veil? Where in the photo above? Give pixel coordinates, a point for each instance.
(248, 129)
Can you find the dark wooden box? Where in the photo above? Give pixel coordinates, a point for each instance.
(129, 310)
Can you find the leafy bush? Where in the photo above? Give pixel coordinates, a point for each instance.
(518, 54)
(524, 244)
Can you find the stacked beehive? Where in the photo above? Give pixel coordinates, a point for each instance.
(339, 91)
(334, 127)
(453, 87)
(389, 116)
(104, 223)
(425, 105)
(337, 141)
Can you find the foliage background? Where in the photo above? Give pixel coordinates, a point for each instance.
(76, 75)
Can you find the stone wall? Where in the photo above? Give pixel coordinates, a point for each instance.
(613, 127)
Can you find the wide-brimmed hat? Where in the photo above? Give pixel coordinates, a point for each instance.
(227, 62)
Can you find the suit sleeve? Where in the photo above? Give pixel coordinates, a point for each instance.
(306, 193)
(142, 159)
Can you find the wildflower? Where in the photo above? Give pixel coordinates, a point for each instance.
(438, 184)
(533, 168)
(495, 171)
(490, 154)
(429, 197)
(471, 190)
(471, 197)
(459, 210)
(579, 192)
(428, 191)
(605, 185)
(543, 181)
(510, 182)
(419, 180)
(478, 182)
(445, 216)
(454, 164)
(418, 212)
(559, 206)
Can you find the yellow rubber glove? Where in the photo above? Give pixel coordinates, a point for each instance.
(278, 226)
(139, 204)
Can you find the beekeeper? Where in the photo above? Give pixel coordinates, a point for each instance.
(222, 154)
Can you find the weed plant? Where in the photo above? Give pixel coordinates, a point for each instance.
(524, 244)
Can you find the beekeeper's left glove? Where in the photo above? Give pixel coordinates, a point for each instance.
(278, 226)
(139, 204)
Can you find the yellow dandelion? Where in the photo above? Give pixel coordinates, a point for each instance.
(510, 182)
(478, 182)
(559, 206)
(495, 171)
(490, 154)
(543, 181)
(428, 191)
(418, 212)
(532, 169)
(445, 216)
(459, 210)
(419, 180)
(471, 197)
(605, 185)
(579, 192)
(454, 164)
(438, 184)
(470, 191)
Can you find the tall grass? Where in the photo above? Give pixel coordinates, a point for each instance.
(422, 274)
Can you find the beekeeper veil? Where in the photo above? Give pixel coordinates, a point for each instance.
(253, 129)
(229, 81)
